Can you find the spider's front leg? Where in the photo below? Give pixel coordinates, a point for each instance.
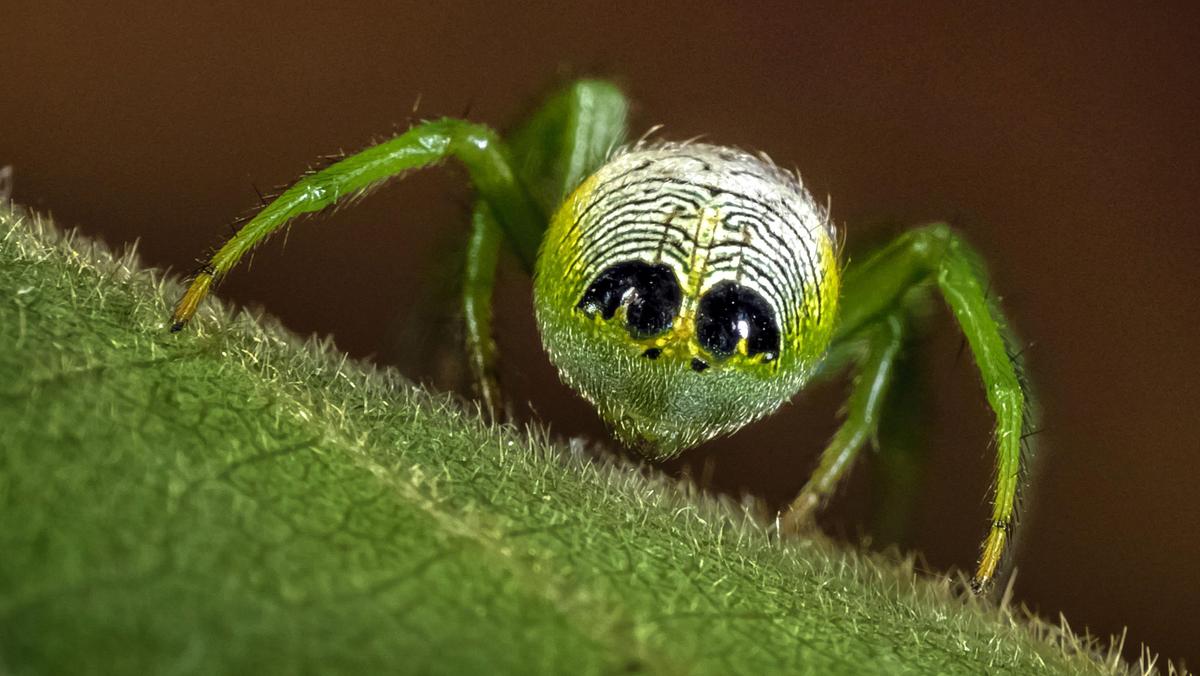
(873, 292)
(487, 160)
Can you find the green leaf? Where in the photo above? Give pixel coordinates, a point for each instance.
(232, 499)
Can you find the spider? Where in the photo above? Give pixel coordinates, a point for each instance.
(684, 289)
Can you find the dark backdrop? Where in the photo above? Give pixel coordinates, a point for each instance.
(1064, 141)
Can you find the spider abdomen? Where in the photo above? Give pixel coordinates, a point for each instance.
(686, 281)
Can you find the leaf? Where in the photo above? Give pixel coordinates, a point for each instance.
(232, 499)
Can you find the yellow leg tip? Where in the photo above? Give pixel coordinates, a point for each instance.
(801, 514)
(993, 550)
(185, 309)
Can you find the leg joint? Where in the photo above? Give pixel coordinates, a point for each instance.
(931, 241)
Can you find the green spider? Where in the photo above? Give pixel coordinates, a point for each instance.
(684, 289)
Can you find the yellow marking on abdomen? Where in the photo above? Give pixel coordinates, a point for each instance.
(703, 234)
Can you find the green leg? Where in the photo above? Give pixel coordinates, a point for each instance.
(874, 288)
(563, 143)
(568, 138)
(478, 148)
(479, 278)
(897, 469)
(876, 367)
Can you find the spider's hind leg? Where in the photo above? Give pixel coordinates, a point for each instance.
(485, 156)
(478, 282)
(936, 254)
(562, 143)
(881, 346)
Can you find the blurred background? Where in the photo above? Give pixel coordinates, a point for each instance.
(1063, 142)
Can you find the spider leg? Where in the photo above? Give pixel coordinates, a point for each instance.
(963, 284)
(935, 253)
(898, 466)
(568, 138)
(479, 279)
(896, 471)
(485, 157)
(880, 345)
(561, 144)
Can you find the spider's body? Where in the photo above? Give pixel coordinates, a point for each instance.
(685, 290)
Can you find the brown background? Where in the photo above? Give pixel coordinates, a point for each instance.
(1064, 141)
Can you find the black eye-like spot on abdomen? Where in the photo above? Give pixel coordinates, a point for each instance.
(730, 312)
(650, 294)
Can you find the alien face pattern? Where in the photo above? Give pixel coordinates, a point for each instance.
(712, 244)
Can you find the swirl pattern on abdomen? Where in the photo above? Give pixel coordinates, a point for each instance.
(712, 214)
